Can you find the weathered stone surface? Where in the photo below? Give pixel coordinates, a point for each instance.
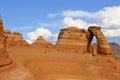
(15, 39)
(8, 69)
(4, 59)
(41, 42)
(17, 35)
(79, 38)
(1, 26)
(73, 37)
(103, 46)
(15, 72)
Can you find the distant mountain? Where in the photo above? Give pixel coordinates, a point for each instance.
(115, 46)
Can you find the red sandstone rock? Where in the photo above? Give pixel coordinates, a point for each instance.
(4, 59)
(8, 69)
(73, 37)
(66, 65)
(1, 27)
(15, 72)
(41, 42)
(15, 39)
(103, 46)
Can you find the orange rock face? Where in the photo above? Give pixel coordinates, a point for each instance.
(4, 59)
(103, 46)
(15, 72)
(15, 39)
(8, 69)
(55, 63)
(79, 38)
(41, 42)
(1, 26)
(73, 37)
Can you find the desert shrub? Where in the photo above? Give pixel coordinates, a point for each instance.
(116, 55)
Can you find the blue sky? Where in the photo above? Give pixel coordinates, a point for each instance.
(46, 17)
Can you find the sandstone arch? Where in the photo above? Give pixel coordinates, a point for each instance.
(102, 43)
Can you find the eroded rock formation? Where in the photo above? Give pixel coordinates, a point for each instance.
(15, 39)
(4, 59)
(8, 69)
(1, 27)
(81, 39)
(41, 42)
(103, 46)
(73, 36)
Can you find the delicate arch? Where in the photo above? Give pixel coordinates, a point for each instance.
(102, 43)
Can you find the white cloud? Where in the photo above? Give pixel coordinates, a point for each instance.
(77, 13)
(52, 15)
(94, 24)
(49, 24)
(108, 18)
(23, 28)
(41, 32)
(112, 33)
(68, 21)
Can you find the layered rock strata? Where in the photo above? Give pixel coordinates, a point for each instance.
(8, 69)
(4, 59)
(82, 39)
(15, 39)
(103, 46)
(73, 37)
(41, 42)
